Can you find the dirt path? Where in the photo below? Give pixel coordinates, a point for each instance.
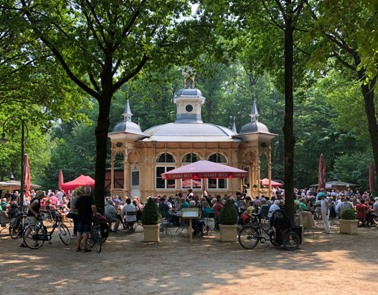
(324, 264)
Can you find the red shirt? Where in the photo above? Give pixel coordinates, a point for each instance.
(361, 214)
(217, 207)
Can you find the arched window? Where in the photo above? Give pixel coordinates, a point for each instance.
(190, 158)
(217, 183)
(218, 158)
(164, 160)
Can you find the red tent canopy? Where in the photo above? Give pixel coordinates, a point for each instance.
(82, 180)
(265, 182)
(204, 169)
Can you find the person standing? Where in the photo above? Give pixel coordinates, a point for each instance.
(85, 207)
(324, 205)
(74, 213)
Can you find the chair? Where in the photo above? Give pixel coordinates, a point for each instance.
(130, 228)
(361, 215)
(209, 222)
(164, 222)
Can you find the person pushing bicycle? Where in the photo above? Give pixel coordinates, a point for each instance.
(33, 212)
(85, 206)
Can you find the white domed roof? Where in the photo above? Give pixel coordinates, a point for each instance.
(191, 132)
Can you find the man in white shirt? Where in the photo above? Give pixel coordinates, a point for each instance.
(128, 208)
(325, 211)
(273, 208)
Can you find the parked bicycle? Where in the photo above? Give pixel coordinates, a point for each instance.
(16, 226)
(99, 232)
(280, 232)
(35, 235)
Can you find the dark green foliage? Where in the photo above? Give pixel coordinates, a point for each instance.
(151, 213)
(348, 214)
(228, 215)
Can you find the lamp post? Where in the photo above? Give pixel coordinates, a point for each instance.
(3, 140)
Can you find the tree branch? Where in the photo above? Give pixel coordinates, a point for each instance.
(123, 80)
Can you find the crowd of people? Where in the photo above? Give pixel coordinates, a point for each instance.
(128, 211)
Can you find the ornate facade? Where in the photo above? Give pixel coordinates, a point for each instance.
(148, 154)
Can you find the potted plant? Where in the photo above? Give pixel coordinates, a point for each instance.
(228, 218)
(348, 222)
(151, 218)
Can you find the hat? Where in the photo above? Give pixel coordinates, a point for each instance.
(40, 193)
(277, 202)
(117, 201)
(322, 195)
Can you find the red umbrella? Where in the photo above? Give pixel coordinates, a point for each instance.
(265, 182)
(204, 169)
(26, 173)
(61, 180)
(371, 178)
(322, 174)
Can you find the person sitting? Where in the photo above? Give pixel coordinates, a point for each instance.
(129, 219)
(362, 212)
(217, 207)
(55, 213)
(274, 207)
(184, 204)
(372, 213)
(165, 212)
(111, 216)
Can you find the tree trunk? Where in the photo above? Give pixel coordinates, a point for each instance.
(368, 93)
(101, 149)
(289, 139)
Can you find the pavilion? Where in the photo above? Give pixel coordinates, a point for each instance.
(147, 154)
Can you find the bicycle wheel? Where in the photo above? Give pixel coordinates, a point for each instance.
(105, 229)
(90, 241)
(248, 237)
(273, 240)
(16, 231)
(291, 241)
(29, 234)
(64, 234)
(97, 238)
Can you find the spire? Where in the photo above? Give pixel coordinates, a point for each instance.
(127, 112)
(254, 113)
(234, 127)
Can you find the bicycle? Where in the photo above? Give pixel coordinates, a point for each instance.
(95, 235)
(16, 226)
(35, 235)
(252, 233)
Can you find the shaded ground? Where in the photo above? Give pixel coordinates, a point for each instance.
(324, 264)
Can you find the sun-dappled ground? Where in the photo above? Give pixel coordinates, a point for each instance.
(324, 264)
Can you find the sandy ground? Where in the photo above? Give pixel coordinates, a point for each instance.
(324, 264)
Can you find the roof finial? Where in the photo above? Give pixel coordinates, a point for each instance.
(189, 73)
(127, 113)
(234, 127)
(254, 113)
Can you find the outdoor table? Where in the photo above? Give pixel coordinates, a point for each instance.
(190, 213)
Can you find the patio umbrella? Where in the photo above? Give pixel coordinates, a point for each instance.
(265, 182)
(371, 177)
(61, 180)
(204, 169)
(322, 174)
(26, 173)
